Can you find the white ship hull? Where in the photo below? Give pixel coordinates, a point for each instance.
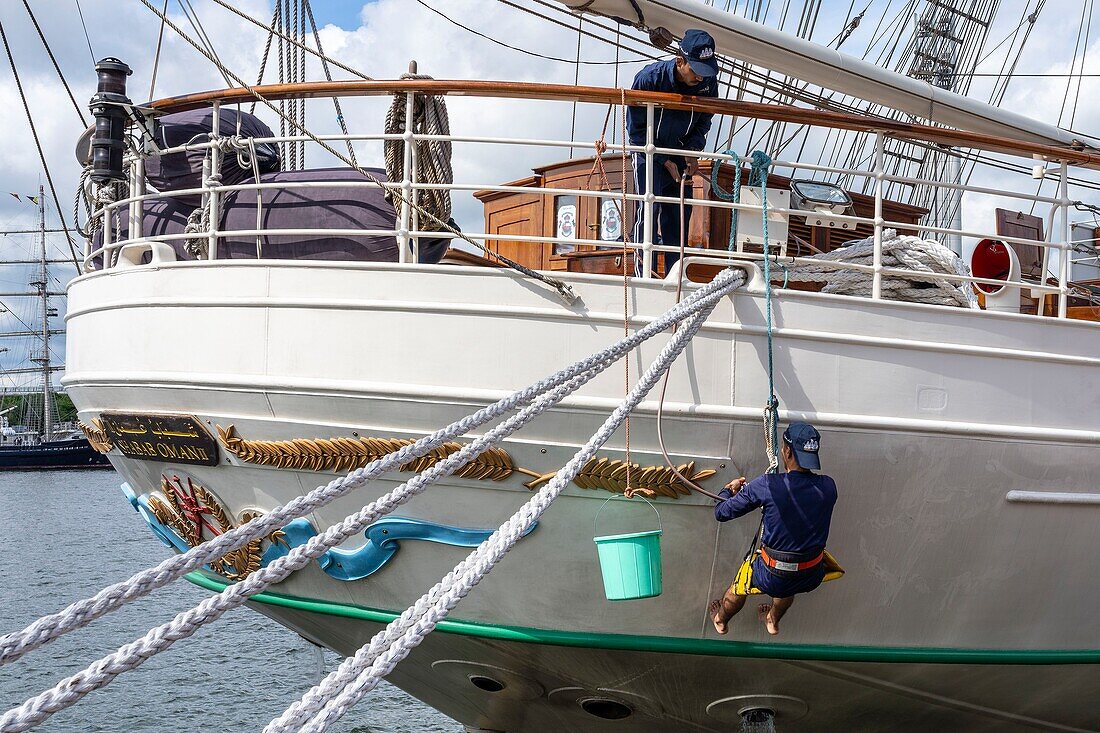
(958, 604)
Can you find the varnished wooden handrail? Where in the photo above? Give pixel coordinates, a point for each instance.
(1089, 157)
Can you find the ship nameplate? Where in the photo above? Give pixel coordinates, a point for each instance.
(161, 437)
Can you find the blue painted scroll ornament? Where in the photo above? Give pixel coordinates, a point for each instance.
(383, 542)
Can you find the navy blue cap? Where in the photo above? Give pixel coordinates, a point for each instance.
(804, 439)
(698, 49)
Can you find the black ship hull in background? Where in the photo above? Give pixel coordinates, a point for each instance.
(72, 453)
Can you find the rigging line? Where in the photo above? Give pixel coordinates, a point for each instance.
(201, 33)
(38, 144)
(1027, 35)
(1011, 34)
(328, 76)
(295, 104)
(1073, 64)
(302, 72)
(87, 38)
(646, 55)
(56, 66)
(284, 37)
(536, 54)
(1079, 75)
(284, 150)
(730, 67)
(747, 69)
(267, 51)
(156, 56)
(576, 83)
(1084, 57)
(559, 286)
(1024, 16)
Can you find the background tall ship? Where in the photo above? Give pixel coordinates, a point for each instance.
(34, 432)
(248, 328)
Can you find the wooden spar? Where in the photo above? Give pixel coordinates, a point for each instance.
(1077, 155)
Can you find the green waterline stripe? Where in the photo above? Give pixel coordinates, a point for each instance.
(675, 645)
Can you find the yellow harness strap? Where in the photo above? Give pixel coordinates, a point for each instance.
(742, 584)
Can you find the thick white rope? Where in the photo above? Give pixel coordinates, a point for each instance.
(69, 691)
(358, 675)
(130, 656)
(898, 251)
(81, 613)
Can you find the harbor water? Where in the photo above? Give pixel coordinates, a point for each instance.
(67, 534)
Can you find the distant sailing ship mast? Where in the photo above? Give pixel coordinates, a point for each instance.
(41, 420)
(42, 284)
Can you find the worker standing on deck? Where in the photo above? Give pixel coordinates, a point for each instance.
(798, 507)
(693, 72)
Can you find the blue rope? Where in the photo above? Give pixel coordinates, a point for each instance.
(758, 175)
(761, 162)
(734, 196)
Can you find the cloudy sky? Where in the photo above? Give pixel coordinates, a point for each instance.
(379, 39)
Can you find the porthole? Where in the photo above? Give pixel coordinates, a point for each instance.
(488, 684)
(601, 707)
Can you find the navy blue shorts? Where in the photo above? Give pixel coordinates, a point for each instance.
(788, 584)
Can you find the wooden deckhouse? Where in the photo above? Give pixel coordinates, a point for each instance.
(519, 214)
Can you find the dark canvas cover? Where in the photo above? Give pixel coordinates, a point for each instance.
(335, 206)
(179, 171)
(160, 217)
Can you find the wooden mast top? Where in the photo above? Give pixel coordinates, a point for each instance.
(1077, 155)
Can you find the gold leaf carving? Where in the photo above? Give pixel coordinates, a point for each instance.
(610, 475)
(345, 454)
(97, 436)
(185, 513)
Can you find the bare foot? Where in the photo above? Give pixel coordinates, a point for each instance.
(714, 609)
(764, 612)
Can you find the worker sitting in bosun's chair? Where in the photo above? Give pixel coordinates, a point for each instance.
(797, 506)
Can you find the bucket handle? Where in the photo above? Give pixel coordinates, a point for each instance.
(660, 528)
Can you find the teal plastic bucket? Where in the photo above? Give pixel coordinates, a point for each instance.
(630, 563)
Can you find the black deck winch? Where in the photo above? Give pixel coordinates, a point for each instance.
(109, 107)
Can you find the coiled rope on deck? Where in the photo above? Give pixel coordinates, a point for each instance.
(130, 656)
(901, 252)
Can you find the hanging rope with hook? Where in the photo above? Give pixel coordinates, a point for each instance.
(599, 169)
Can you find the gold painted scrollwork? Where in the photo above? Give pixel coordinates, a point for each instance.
(610, 475)
(345, 454)
(196, 515)
(97, 436)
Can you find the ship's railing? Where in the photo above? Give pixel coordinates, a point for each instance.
(407, 230)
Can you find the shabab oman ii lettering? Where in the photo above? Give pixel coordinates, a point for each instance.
(155, 437)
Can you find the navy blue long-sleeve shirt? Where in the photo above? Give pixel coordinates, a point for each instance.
(798, 507)
(675, 128)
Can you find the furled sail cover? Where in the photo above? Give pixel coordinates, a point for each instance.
(335, 206)
(179, 171)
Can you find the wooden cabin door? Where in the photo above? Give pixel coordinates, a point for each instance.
(1024, 226)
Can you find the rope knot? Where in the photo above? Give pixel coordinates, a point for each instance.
(760, 162)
